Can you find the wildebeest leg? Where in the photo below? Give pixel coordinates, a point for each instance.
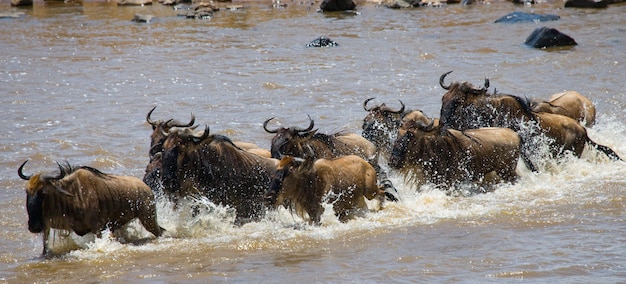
(46, 234)
(381, 176)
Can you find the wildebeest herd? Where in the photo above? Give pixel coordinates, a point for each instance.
(478, 139)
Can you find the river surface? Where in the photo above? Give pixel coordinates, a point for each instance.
(76, 82)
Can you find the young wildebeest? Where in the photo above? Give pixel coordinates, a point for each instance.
(569, 103)
(296, 141)
(425, 152)
(213, 166)
(465, 107)
(86, 200)
(303, 183)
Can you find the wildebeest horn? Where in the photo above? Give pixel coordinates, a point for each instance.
(428, 127)
(21, 174)
(265, 126)
(191, 122)
(311, 125)
(441, 80)
(365, 104)
(401, 110)
(152, 122)
(61, 170)
(486, 84)
(205, 134)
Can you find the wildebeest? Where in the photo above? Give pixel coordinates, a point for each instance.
(213, 166)
(152, 175)
(304, 183)
(425, 152)
(466, 107)
(380, 125)
(569, 103)
(85, 200)
(297, 142)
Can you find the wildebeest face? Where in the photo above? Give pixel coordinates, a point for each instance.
(34, 207)
(400, 148)
(289, 142)
(380, 123)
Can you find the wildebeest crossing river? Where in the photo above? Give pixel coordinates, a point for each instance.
(78, 79)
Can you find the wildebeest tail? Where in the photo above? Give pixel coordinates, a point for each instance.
(525, 155)
(606, 150)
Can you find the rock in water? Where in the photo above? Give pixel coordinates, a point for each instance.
(548, 37)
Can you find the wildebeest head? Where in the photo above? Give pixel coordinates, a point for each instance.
(179, 145)
(159, 127)
(381, 123)
(287, 166)
(458, 94)
(39, 186)
(414, 126)
(289, 141)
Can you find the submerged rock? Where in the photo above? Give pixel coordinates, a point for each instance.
(586, 4)
(520, 17)
(142, 18)
(337, 5)
(548, 37)
(321, 42)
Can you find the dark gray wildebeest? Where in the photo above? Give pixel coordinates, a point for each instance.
(204, 164)
(465, 106)
(85, 200)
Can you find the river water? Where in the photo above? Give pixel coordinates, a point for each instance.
(76, 81)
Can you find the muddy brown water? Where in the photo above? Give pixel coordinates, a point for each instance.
(76, 81)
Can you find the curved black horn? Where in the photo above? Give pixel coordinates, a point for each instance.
(401, 110)
(205, 134)
(486, 84)
(441, 80)
(62, 170)
(152, 122)
(265, 126)
(191, 122)
(311, 125)
(365, 104)
(21, 174)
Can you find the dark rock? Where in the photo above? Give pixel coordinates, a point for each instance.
(337, 5)
(21, 2)
(142, 18)
(321, 42)
(586, 4)
(519, 17)
(548, 37)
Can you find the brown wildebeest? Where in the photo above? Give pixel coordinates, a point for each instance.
(569, 103)
(425, 152)
(213, 166)
(303, 183)
(85, 200)
(466, 107)
(297, 142)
